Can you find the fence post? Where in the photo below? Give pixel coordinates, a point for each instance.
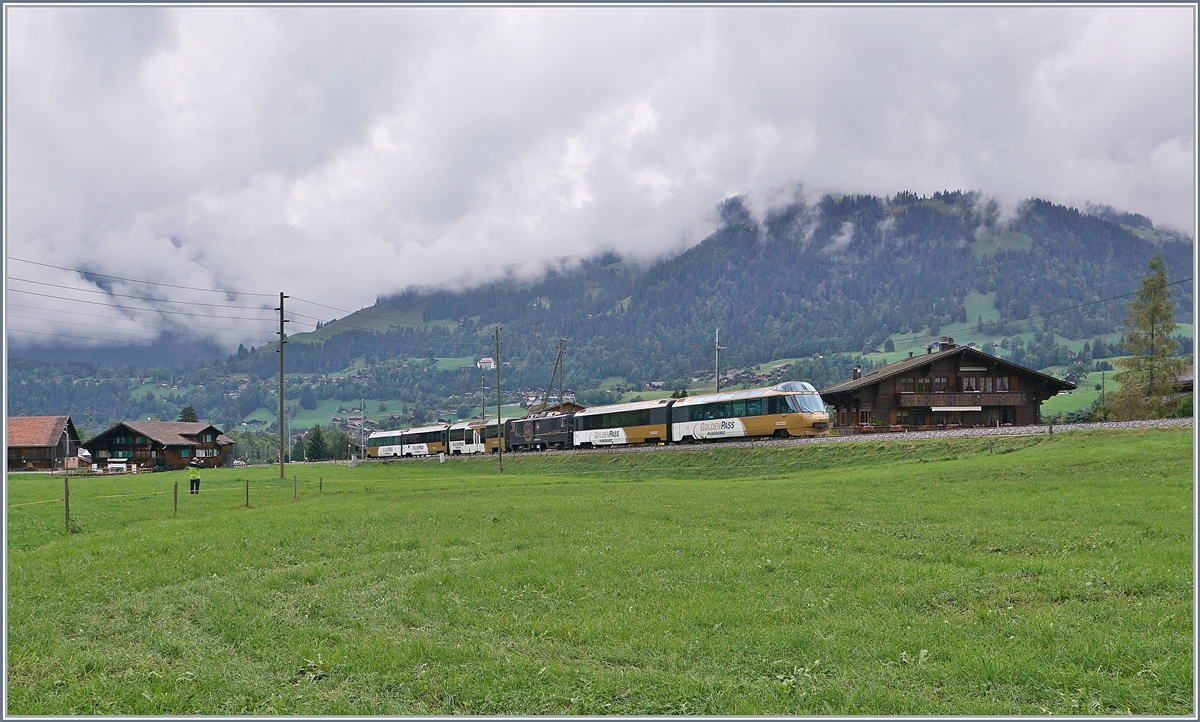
(295, 488)
(67, 503)
(321, 486)
(768, 467)
(176, 510)
(247, 493)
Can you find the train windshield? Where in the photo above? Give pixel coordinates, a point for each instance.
(806, 402)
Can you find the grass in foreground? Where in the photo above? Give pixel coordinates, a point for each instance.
(1014, 576)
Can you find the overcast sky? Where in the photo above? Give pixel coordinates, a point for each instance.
(339, 154)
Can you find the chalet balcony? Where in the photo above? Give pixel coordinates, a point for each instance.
(928, 400)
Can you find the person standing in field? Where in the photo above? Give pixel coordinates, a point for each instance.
(194, 467)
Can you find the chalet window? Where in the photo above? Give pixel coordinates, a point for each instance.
(923, 384)
(1002, 383)
(987, 384)
(906, 385)
(102, 454)
(940, 383)
(184, 453)
(902, 418)
(970, 383)
(864, 417)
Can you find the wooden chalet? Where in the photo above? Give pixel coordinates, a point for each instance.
(954, 386)
(42, 442)
(162, 445)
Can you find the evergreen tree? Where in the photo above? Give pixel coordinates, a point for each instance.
(188, 413)
(1147, 374)
(315, 443)
(889, 345)
(298, 449)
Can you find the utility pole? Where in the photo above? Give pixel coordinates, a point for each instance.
(562, 352)
(483, 397)
(718, 348)
(556, 370)
(282, 341)
(499, 421)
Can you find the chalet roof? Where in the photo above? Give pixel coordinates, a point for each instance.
(172, 433)
(905, 365)
(38, 430)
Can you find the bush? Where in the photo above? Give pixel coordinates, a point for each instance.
(1185, 407)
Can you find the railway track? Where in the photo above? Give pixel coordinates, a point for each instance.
(851, 438)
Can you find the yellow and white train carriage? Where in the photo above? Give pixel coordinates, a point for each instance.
(382, 444)
(425, 440)
(636, 422)
(793, 408)
(466, 438)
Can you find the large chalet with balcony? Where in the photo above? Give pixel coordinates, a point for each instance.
(953, 386)
(161, 445)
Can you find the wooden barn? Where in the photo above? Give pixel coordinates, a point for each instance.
(954, 386)
(162, 445)
(42, 442)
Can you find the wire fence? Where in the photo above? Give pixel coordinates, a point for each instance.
(771, 462)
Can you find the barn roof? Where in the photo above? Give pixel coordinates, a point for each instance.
(905, 365)
(38, 430)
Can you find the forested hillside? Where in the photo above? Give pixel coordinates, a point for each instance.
(841, 277)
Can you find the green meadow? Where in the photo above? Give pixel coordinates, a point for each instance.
(1014, 575)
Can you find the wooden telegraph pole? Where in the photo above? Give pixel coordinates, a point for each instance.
(499, 421)
(282, 341)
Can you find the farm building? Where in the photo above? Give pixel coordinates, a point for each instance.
(42, 442)
(953, 386)
(162, 445)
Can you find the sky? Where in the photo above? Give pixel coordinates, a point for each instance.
(339, 154)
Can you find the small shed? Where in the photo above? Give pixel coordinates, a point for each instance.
(48, 443)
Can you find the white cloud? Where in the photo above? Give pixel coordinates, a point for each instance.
(338, 154)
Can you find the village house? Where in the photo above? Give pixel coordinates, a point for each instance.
(162, 445)
(953, 386)
(42, 442)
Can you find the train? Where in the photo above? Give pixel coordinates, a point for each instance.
(792, 408)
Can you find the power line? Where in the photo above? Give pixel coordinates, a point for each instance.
(140, 298)
(1072, 308)
(86, 338)
(126, 330)
(97, 315)
(135, 280)
(150, 310)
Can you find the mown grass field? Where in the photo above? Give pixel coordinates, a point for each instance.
(1020, 575)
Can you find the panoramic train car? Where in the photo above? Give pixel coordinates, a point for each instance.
(465, 439)
(425, 440)
(793, 408)
(538, 431)
(487, 435)
(382, 444)
(636, 422)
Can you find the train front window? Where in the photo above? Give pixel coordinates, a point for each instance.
(810, 403)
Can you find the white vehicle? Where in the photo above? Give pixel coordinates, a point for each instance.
(465, 440)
